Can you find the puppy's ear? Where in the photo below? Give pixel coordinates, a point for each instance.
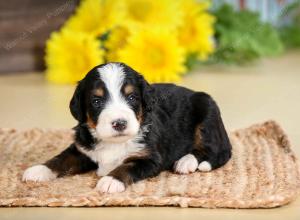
(77, 104)
(147, 94)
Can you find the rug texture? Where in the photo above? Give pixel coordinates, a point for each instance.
(262, 173)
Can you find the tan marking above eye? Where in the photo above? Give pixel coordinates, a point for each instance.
(128, 89)
(98, 92)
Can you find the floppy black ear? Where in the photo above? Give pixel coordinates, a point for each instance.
(77, 105)
(147, 94)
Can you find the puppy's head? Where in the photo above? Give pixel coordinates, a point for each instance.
(111, 100)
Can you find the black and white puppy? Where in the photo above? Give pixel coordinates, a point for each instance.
(129, 130)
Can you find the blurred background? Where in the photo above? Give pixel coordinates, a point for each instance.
(245, 53)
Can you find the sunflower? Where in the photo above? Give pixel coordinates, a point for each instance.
(116, 41)
(163, 13)
(196, 33)
(96, 17)
(69, 56)
(156, 54)
(193, 7)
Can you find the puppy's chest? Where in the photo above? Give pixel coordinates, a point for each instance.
(108, 156)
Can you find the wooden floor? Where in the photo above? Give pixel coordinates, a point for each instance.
(266, 90)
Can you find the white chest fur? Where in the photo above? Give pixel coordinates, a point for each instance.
(108, 156)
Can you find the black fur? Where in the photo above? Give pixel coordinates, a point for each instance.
(70, 162)
(175, 116)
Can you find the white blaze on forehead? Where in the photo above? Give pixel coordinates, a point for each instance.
(116, 107)
(112, 75)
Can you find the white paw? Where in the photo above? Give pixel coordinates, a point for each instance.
(38, 173)
(204, 166)
(108, 184)
(186, 164)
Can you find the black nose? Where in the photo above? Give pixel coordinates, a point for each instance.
(119, 124)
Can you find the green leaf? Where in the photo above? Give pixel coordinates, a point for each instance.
(290, 32)
(242, 37)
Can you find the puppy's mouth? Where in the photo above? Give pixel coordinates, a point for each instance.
(120, 137)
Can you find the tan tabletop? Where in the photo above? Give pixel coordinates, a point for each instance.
(269, 89)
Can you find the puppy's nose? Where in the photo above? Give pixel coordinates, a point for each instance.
(119, 124)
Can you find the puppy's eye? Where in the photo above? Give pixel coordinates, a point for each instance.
(132, 98)
(97, 102)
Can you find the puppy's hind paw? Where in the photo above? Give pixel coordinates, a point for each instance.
(186, 164)
(204, 166)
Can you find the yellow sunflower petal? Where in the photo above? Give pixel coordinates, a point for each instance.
(116, 41)
(196, 33)
(193, 7)
(156, 54)
(163, 13)
(96, 17)
(69, 56)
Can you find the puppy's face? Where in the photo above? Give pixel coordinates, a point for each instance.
(111, 101)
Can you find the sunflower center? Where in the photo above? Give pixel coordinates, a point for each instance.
(156, 56)
(193, 30)
(139, 10)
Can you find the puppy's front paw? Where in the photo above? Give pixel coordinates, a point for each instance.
(186, 164)
(108, 184)
(38, 173)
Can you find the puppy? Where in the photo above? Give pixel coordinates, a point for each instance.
(129, 130)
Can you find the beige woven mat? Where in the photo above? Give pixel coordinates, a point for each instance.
(263, 172)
